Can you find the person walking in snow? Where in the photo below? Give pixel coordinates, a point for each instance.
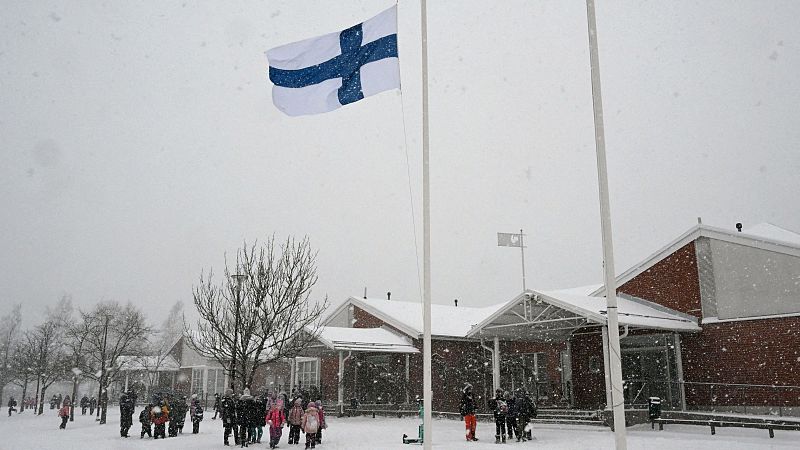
(511, 415)
(310, 425)
(526, 409)
(259, 418)
(216, 405)
(227, 410)
(196, 414)
(500, 411)
(127, 405)
(12, 406)
(467, 409)
(178, 416)
(295, 420)
(63, 413)
(245, 409)
(275, 419)
(84, 404)
(92, 405)
(159, 415)
(322, 423)
(144, 419)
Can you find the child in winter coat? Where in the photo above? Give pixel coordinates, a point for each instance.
(310, 425)
(295, 420)
(511, 416)
(275, 419)
(64, 414)
(500, 413)
(144, 419)
(196, 414)
(159, 415)
(322, 423)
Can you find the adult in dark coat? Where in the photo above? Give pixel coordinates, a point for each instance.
(259, 417)
(92, 405)
(84, 404)
(216, 405)
(526, 409)
(12, 406)
(500, 412)
(511, 415)
(127, 404)
(245, 408)
(227, 410)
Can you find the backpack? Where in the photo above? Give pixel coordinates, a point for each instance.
(502, 407)
(312, 423)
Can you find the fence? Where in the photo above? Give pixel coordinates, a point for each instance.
(727, 397)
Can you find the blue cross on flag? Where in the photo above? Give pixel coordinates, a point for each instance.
(321, 74)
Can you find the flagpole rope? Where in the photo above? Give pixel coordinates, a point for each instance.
(410, 191)
(408, 174)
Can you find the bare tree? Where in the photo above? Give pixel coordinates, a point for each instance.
(258, 313)
(110, 331)
(50, 363)
(23, 367)
(159, 344)
(9, 337)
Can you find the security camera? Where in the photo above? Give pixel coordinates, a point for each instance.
(527, 296)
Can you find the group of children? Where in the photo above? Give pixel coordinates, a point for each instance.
(246, 416)
(155, 417)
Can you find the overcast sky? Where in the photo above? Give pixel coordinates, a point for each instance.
(139, 143)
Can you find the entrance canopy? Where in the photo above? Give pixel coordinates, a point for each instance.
(554, 315)
(375, 340)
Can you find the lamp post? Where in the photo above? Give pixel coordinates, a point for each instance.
(77, 372)
(238, 278)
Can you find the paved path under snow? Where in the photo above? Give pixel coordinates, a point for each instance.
(26, 431)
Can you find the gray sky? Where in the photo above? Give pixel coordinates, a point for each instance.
(138, 143)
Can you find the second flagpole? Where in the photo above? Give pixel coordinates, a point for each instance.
(427, 392)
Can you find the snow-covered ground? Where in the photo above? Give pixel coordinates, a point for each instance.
(26, 431)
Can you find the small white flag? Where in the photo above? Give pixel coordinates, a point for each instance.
(509, 240)
(321, 74)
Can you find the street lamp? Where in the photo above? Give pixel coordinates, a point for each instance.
(77, 373)
(239, 278)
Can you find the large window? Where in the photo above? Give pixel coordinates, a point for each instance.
(215, 383)
(197, 381)
(307, 372)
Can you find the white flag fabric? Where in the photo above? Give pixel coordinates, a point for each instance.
(509, 240)
(321, 74)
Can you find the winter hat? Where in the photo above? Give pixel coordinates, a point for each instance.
(228, 391)
(246, 392)
(467, 387)
(194, 396)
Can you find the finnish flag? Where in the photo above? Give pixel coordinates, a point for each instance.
(321, 74)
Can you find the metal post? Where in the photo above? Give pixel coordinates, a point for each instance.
(427, 392)
(496, 364)
(522, 252)
(340, 396)
(615, 362)
(238, 278)
(408, 377)
(679, 364)
(606, 372)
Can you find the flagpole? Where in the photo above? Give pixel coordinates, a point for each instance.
(522, 252)
(617, 397)
(427, 392)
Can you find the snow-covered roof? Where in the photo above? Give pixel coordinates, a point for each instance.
(149, 363)
(557, 314)
(364, 339)
(446, 320)
(765, 236)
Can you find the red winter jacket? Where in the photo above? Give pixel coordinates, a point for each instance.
(64, 411)
(276, 416)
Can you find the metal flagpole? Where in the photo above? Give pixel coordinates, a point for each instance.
(427, 392)
(522, 251)
(617, 397)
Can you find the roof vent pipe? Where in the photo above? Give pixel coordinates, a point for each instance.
(388, 296)
(739, 227)
(699, 220)
(365, 292)
(455, 300)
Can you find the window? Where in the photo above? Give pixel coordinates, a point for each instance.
(308, 372)
(197, 381)
(216, 381)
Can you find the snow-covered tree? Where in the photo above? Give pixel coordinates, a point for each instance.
(258, 312)
(9, 337)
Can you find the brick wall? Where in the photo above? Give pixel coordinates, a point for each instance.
(672, 282)
(588, 379)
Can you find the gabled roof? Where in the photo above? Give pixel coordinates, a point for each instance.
(764, 236)
(559, 313)
(446, 321)
(164, 363)
(365, 340)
